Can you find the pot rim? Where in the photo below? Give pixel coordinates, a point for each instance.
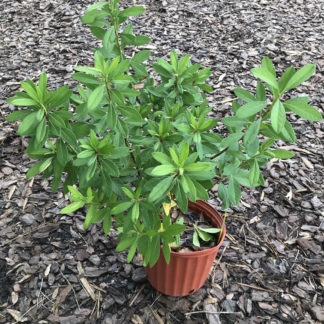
(204, 207)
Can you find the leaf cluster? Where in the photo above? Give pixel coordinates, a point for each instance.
(123, 144)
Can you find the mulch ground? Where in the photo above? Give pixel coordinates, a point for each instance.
(270, 268)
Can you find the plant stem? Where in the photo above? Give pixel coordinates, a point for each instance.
(117, 38)
(222, 228)
(108, 89)
(219, 153)
(126, 141)
(270, 107)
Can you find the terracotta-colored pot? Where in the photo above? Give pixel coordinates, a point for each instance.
(187, 271)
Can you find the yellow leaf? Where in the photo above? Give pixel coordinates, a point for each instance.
(167, 207)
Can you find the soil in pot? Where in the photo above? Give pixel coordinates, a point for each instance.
(192, 219)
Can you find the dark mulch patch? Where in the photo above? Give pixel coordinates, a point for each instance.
(270, 268)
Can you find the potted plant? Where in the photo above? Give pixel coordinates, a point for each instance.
(128, 146)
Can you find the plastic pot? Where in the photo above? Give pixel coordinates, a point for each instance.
(187, 271)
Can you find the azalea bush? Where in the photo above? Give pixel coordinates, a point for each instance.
(125, 144)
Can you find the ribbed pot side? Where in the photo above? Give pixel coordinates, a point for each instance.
(187, 271)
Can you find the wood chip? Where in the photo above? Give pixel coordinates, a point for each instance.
(307, 163)
(61, 298)
(18, 316)
(88, 288)
(11, 191)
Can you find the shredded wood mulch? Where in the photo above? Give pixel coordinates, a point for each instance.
(270, 268)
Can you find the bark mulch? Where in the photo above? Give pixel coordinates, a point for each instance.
(270, 268)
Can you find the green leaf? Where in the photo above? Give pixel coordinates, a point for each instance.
(223, 195)
(244, 95)
(139, 68)
(234, 191)
(300, 76)
(155, 250)
(174, 155)
(68, 136)
(200, 191)
(162, 170)
(250, 109)
(128, 192)
(60, 96)
(42, 83)
(106, 182)
(125, 243)
(16, 101)
(72, 207)
(268, 65)
(199, 166)
(174, 60)
(86, 79)
(303, 110)
(131, 252)
(184, 154)
(89, 70)
(92, 217)
(175, 229)
(195, 239)
(253, 147)
(98, 32)
(77, 196)
(161, 189)
(231, 139)
(260, 92)
(119, 152)
(141, 40)
(266, 144)
(278, 116)
(162, 158)
(141, 56)
(252, 132)
(39, 115)
(204, 236)
(29, 87)
(132, 116)
(121, 207)
(285, 78)
(135, 212)
(41, 130)
(113, 65)
(165, 65)
(183, 63)
(95, 98)
(254, 174)
(205, 87)
(18, 115)
(162, 71)
(281, 154)
(189, 187)
(209, 230)
(85, 154)
(266, 76)
(132, 11)
(96, 5)
(234, 121)
(38, 167)
(27, 124)
(181, 198)
(92, 167)
(235, 106)
(288, 133)
(166, 252)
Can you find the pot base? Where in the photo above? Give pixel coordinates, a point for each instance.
(187, 271)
